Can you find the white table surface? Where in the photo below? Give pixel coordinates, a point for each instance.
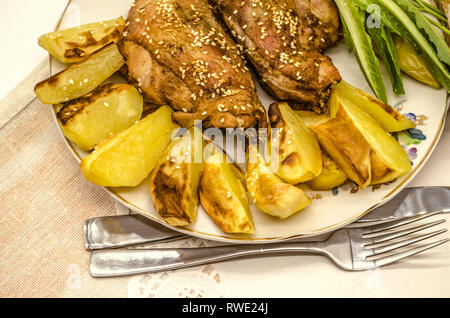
(427, 275)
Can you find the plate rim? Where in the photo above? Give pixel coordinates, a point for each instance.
(246, 240)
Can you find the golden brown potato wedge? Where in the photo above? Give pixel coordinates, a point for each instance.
(81, 78)
(389, 160)
(388, 117)
(331, 177)
(269, 193)
(126, 159)
(76, 44)
(347, 146)
(223, 196)
(175, 179)
(108, 109)
(310, 118)
(300, 158)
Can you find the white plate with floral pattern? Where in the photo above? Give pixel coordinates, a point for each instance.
(330, 210)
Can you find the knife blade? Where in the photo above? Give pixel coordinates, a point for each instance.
(409, 202)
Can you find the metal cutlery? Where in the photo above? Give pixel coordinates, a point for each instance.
(125, 230)
(409, 202)
(352, 249)
(128, 230)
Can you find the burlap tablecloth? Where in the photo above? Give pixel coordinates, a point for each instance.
(44, 201)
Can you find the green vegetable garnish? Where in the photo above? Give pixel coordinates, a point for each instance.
(399, 21)
(423, 24)
(383, 40)
(359, 41)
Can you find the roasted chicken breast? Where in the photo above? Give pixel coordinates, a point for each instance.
(178, 54)
(284, 41)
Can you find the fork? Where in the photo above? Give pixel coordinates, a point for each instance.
(352, 249)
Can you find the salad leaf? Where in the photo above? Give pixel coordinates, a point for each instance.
(397, 21)
(347, 37)
(427, 29)
(386, 49)
(361, 44)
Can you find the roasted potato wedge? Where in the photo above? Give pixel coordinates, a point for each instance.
(126, 159)
(269, 193)
(175, 179)
(300, 156)
(76, 44)
(388, 159)
(387, 117)
(331, 177)
(81, 78)
(310, 118)
(223, 196)
(108, 109)
(347, 146)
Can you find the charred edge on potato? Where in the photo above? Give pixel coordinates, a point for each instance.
(76, 50)
(218, 212)
(53, 80)
(75, 106)
(379, 169)
(170, 193)
(291, 160)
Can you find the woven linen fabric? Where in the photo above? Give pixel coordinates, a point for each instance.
(44, 202)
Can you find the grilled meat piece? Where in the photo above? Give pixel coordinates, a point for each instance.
(178, 54)
(284, 41)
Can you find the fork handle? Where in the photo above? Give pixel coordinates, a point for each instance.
(109, 263)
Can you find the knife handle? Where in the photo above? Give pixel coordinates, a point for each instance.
(125, 230)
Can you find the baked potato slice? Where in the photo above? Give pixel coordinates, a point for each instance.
(331, 177)
(311, 118)
(223, 196)
(269, 193)
(300, 158)
(126, 159)
(107, 110)
(81, 78)
(388, 159)
(174, 182)
(76, 44)
(387, 117)
(347, 146)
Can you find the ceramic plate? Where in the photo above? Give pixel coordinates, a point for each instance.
(330, 209)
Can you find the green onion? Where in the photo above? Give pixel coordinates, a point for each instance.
(429, 6)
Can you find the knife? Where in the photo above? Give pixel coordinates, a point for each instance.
(125, 230)
(128, 230)
(409, 202)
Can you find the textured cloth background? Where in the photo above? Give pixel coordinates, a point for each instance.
(44, 201)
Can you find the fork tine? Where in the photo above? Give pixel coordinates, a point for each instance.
(413, 251)
(393, 235)
(393, 246)
(394, 224)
